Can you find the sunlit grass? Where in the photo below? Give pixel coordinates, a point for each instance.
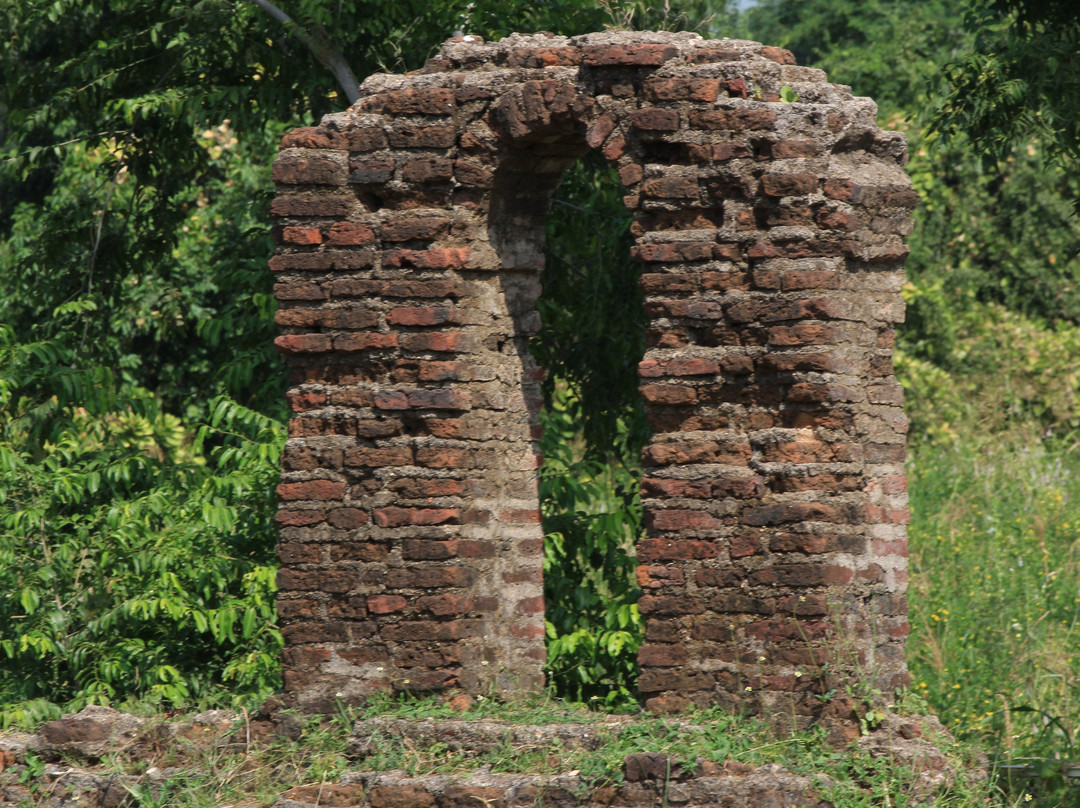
(995, 592)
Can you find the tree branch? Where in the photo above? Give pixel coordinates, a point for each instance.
(321, 47)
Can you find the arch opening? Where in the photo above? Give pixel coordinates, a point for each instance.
(593, 431)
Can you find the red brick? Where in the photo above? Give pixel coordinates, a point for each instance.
(371, 172)
(390, 456)
(348, 518)
(656, 119)
(791, 512)
(412, 229)
(615, 147)
(416, 488)
(351, 343)
(312, 489)
(420, 316)
(397, 517)
(446, 605)
(678, 89)
(675, 520)
(424, 550)
(301, 235)
(421, 630)
(599, 131)
(533, 605)
(662, 656)
(544, 57)
(386, 604)
(811, 248)
(310, 204)
(310, 137)
(779, 55)
(671, 188)
(299, 291)
(315, 581)
(652, 550)
(428, 169)
(668, 252)
(719, 152)
(814, 574)
(366, 138)
(292, 170)
(453, 258)
(407, 136)
(783, 149)
(301, 402)
(669, 394)
(665, 283)
(300, 261)
(642, 55)
(650, 368)
(296, 553)
(788, 184)
(428, 101)
(656, 577)
(289, 518)
(665, 454)
(350, 234)
(666, 604)
(888, 516)
(358, 551)
(439, 342)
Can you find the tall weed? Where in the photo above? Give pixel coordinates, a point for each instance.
(995, 591)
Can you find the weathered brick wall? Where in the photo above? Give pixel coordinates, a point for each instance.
(410, 233)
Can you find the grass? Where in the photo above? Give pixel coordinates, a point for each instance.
(232, 770)
(995, 599)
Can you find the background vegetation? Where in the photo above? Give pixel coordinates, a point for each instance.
(140, 405)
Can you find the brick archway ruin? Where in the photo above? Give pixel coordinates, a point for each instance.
(410, 232)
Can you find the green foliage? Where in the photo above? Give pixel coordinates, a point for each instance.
(1002, 371)
(1004, 234)
(1013, 85)
(592, 520)
(889, 50)
(133, 559)
(594, 430)
(135, 145)
(994, 603)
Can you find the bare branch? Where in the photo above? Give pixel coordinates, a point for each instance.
(321, 46)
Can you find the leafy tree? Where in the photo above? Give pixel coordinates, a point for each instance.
(140, 404)
(1017, 82)
(889, 50)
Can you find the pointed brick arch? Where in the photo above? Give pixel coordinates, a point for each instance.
(410, 233)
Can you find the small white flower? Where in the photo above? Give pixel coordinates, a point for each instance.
(761, 659)
(485, 662)
(339, 694)
(798, 674)
(748, 689)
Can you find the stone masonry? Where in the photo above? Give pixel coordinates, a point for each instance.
(410, 235)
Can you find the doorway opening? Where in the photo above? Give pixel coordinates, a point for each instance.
(594, 429)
